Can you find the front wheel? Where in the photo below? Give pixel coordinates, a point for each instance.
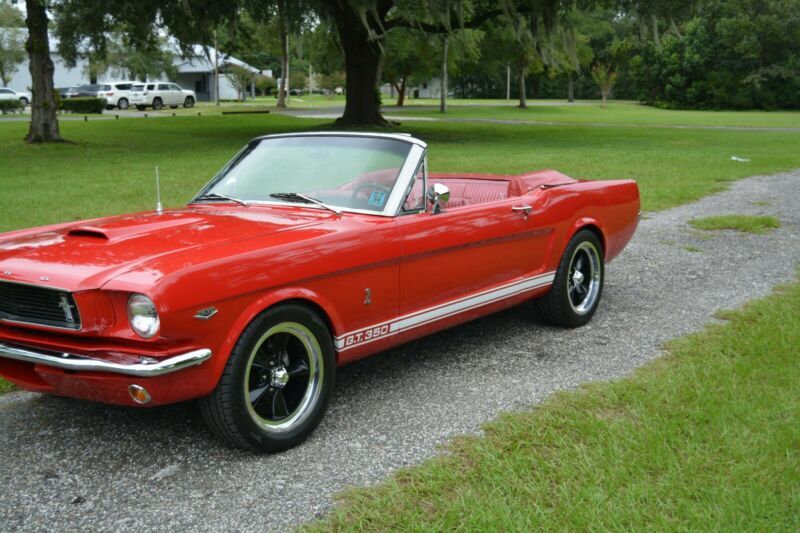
(122, 103)
(157, 103)
(277, 382)
(23, 101)
(578, 283)
(189, 102)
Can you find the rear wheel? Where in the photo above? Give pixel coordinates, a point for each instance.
(578, 283)
(276, 385)
(23, 101)
(140, 107)
(157, 103)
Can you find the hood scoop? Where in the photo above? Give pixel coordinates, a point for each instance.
(89, 232)
(125, 228)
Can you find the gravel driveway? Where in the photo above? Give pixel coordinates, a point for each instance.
(65, 464)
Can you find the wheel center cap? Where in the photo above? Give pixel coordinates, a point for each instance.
(279, 377)
(577, 277)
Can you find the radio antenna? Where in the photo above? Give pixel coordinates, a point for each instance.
(159, 207)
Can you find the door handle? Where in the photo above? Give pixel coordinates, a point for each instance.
(526, 209)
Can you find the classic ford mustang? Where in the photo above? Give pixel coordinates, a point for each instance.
(305, 252)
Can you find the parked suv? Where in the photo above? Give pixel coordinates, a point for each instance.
(116, 93)
(10, 94)
(159, 94)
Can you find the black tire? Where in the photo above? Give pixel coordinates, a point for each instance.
(122, 104)
(23, 101)
(573, 298)
(140, 108)
(189, 102)
(262, 367)
(173, 107)
(157, 103)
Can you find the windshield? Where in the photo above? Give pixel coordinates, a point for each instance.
(347, 172)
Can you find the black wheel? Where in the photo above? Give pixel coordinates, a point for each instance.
(277, 382)
(157, 103)
(122, 103)
(140, 108)
(23, 101)
(578, 283)
(189, 102)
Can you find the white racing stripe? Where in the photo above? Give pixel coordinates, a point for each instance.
(426, 316)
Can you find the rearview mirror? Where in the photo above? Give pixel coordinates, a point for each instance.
(438, 195)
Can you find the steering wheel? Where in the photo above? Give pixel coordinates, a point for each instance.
(371, 186)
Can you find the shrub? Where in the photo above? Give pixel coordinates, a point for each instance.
(11, 106)
(83, 105)
(265, 85)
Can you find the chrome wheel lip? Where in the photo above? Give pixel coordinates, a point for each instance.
(588, 250)
(315, 376)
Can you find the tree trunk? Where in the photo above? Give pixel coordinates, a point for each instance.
(362, 64)
(656, 34)
(571, 89)
(284, 36)
(401, 92)
(523, 101)
(44, 123)
(5, 79)
(443, 95)
(603, 97)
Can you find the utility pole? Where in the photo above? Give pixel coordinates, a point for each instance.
(287, 67)
(310, 81)
(508, 83)
(216, 70)
(443, 90)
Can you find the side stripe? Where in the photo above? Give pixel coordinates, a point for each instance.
(422, 317)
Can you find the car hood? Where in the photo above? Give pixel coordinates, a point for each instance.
(87, 255)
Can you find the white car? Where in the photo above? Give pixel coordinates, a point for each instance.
(10, 94)
(116, 93)
(160, 94)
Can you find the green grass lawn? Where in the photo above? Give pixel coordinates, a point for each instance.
(109, 166)
(706, 438)
(744, 223)
(629, 113)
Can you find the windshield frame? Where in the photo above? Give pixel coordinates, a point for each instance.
(407, 173)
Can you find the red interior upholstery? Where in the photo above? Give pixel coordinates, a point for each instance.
(469, 189)
(463, 191)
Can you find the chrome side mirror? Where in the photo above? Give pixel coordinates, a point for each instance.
(438, 195)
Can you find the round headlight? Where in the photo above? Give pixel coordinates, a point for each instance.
(142, 315)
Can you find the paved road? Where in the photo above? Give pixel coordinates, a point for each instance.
(71, 465)
(334, 113)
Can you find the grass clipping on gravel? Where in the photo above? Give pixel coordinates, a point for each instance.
(706, 436)
(744, 223)
(5, 386)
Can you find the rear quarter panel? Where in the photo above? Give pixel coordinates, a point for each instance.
(611, 207)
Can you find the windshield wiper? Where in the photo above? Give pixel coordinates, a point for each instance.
(297, 197)
(217, 196)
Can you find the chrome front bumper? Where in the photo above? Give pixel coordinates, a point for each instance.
(69, 361)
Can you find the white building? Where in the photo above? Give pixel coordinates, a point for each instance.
(195, 73)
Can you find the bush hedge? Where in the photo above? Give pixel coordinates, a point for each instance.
(84, 105)
(11, 106)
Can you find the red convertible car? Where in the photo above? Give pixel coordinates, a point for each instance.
(305, 252)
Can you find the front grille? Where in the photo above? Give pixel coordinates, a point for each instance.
(38, 305)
